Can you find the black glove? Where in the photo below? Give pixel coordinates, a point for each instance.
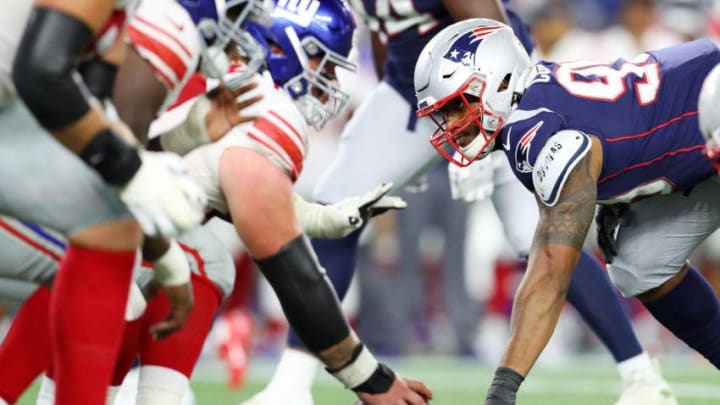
(608, 219)
(504, 387)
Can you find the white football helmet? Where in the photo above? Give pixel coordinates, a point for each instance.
(477, 62)
(709, 115)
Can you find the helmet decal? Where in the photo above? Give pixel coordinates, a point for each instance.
(463, 49)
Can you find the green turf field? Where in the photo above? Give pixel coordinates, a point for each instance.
(585, 381)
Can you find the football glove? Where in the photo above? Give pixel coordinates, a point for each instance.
(341, 219)
(608, 219)
(472, 183)
(162, 196)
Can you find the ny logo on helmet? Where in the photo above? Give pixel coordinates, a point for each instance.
(300, 12)
(463, 49)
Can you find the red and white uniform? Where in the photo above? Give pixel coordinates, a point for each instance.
(279, 133)
(165, 36)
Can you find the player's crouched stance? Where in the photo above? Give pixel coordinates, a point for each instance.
(249, 175)
(623, 135)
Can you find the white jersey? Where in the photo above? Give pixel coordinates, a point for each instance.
(14, 17)
(164, 34)
(279, 133)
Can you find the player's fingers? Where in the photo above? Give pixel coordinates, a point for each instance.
(245, 103)
(372, 197)
(414, 398)
(244, 89)
(420, 388)
(165, 328)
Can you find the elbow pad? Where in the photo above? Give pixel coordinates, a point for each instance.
(99, 77)
(306, 295)
(44, 66)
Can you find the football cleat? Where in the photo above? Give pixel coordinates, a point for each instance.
(647, 388)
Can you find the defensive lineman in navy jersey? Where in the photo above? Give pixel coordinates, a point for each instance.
(624, 135)
(385, 142)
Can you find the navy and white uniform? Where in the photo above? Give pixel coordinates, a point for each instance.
(385, 142)
(644, 112)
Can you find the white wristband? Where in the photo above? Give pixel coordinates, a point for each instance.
(191, 133)
(172, 268)
(358, 371)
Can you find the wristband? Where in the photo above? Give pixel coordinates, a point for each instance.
(172, 268)
(115, 160)
(364, 373)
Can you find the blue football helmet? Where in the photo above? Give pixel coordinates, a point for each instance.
(306, 42)
(222, 26)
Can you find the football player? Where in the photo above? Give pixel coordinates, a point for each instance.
(81, 181)
(248, 176)
(402, 28)
(624, 135)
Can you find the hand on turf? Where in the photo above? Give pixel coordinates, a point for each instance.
(403, 391)
(181, 303)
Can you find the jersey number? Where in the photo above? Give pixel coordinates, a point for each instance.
(396, 16)
(607, 83)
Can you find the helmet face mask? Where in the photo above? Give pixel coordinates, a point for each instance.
(222, 26)
(316, 90)
(446, 138)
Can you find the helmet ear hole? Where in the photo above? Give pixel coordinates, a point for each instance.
(505, 83)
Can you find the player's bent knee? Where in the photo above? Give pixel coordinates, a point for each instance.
(161, 386)
(122, 234)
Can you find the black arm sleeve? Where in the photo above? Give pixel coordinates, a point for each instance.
(43, 70)
(99, 77)
(306, 295)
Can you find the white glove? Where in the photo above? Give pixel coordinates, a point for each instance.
(472, 183)
(341, 219)
(162, 196)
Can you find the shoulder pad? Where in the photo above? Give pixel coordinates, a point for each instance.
(555, 161)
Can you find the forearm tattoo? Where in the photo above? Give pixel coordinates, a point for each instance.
(567, 223)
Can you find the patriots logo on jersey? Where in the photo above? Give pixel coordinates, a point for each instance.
(463, 49)
(522, 151)
(301, 12)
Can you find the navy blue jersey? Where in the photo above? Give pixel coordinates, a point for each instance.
(405, 26)
(644, 112)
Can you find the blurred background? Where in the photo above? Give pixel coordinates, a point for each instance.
(435, 282)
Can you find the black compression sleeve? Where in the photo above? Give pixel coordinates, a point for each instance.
(99, 77)
(43, 70)
(306, 295)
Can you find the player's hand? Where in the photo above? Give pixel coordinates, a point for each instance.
(607, 220)
(227, 109)
(341, 219)
(402, 392)
(162, 196)
(181, 302)
(472, 183)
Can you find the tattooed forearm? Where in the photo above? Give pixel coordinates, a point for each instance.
(567, 223)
